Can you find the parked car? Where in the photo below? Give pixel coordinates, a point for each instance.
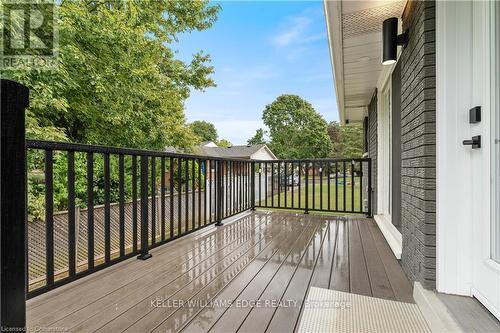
(290, 180)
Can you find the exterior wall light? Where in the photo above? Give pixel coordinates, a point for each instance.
(391, 40)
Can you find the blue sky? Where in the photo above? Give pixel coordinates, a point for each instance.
(261, 50)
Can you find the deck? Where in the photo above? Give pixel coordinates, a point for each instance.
(251, 275)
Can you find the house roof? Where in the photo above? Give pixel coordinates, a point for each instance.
(242, 151)
(355, 38)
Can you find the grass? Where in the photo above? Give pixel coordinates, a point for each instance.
(318, 197)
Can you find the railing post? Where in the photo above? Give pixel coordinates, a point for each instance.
(144, 210)
(13, 283)
(252, 181)
(219, 193)
(306, 210)
(370, 214)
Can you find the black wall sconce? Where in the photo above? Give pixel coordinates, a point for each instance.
(391, 40)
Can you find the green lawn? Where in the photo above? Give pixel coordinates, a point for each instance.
(318, 197)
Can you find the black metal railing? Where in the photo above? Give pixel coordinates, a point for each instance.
(101, 205)
(90, 206)
(330, 185)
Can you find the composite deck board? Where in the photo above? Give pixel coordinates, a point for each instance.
(359, 281)
(323, 269)
(400, 284)
(285, 317)
(68, 303)
(134, 292)
(379, 282)
(219, 283)
(134, 318)
(274, 288)
(263, 256)
(64, 302)
(339, 272)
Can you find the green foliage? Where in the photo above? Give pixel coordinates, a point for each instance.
(347, 140)
(258, 138)
(224, 143)
(204, 130)
(296, 129)
(117, 83)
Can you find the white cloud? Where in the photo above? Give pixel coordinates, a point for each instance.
(293, 32)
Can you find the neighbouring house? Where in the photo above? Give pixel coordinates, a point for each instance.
(247, 152)
(244, 152)
(431, 118)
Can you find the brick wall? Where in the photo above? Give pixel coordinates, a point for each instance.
(372, 147)
(418, 144)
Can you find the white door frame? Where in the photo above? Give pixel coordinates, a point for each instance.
(462, 175)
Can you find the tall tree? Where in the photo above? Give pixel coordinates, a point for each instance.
(117, 80)
(204, 130)
(296, 129)
(258, 138)
(347, 140)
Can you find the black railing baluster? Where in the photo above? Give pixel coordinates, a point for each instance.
(179, 196)
(49, 217)
(293, 184)
(153, 200)
(321, 186)
(71, 215)
(162, 198)
(361, 187)
(300, 185)
(144, 210)
(186, 195)
(171, 194)
(344, 192)
(199, 193)
(107, 212)
(211, 166)
(205, 190)
(265, 182)
(336, 187)
(121, 185)
(134, 204)
(313, 185)
(369, 213)
(285, 183)
(90, 210)
(306, 177)
(260, 184)
(272, 184)
(352, 186)
(193, 195)
(328, 180)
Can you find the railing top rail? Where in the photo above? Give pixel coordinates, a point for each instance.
(80, 147)
(100, 149)
(331, 160)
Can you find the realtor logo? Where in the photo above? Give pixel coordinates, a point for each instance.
(29, 34)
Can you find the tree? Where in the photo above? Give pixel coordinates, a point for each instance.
(117, 81)
(224, 143)
(204, 130)
(296, 130)
(258, 138)
(347, 140)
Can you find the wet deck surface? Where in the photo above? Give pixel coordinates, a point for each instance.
(251, 275)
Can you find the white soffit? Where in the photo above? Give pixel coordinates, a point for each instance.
(355, 38)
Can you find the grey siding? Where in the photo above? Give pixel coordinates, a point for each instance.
(372, 147)
(418, 144)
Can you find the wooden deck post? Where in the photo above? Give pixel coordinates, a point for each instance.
(13, 283)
